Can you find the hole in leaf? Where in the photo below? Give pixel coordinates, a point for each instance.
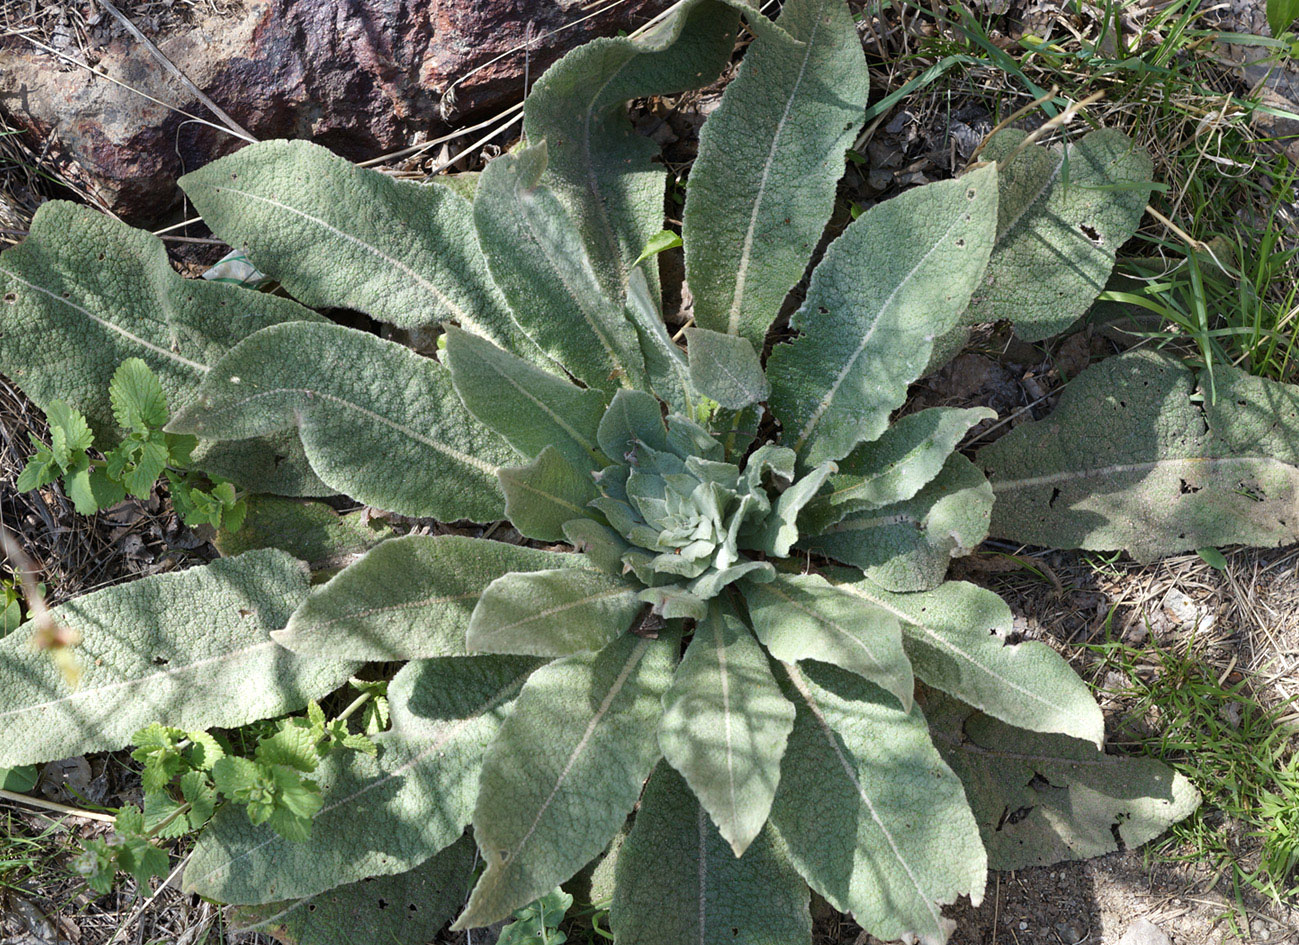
(160, 661)
(960, 244)
(412, 908)
(311, 907)
(383, 903)
(1185, 488)
(11, 297)
(1055, 494)
(1091, 233)
(969, 194)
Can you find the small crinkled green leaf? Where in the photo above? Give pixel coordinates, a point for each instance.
(566, 769)
(1061, 217)
(803, 616)
(192, 647)
(381, 815)
(956, 639)
(337, 235)
(136, 396)
(907, 546)
(726, 368)
(678, 881)
(537, 257)
(865, 339)
(407, 907)
(762, 188)
(602, 170)
(895, 467)
(409, 598)
(529, 408)
(1040, 799)
(310, 531)
(545, 494)
(875, 820)
(1136, 456)
(725, 722)
(552, 613)
(84, 292)
(378, 421)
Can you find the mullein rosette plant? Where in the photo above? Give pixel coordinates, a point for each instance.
(726, 665)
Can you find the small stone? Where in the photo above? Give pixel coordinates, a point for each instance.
(1023, 926)
(1145, 932)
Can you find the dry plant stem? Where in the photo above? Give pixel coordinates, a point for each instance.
(139, 910)
(55, 806)
(1010, 119)
(49, 634)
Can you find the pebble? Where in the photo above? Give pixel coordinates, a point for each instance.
(1145, 932)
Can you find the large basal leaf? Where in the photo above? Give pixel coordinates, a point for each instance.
(275, 464)
(875, 821)
(384, 815)
(406, 909)
(762, 188)
(566, 769)
(665, 363)
(552, 613)
(804, 616)
(543, 496)
(378, 421)
(724, 727)
(191, 649)
(726, 369)
(537, 257)
(600, 168)
(678, 881)
(1040, 799)
(1061, 217)
(84, 292)
(906, 457)
(1136, 456)
(310, 531)
(955, 637)
(900, 275)
(529, 408)
(341, 236)
(907, 546)
(409, 598)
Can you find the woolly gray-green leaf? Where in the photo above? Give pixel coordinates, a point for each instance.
(537, 257)
(874, 820)
(84, 292)
(907, 546)
(1061, 217)
(677, 881)
(895, 467)
(192, 648)
(1136, 457)
(528, 407)
(725, 722)
(665, 363)
(865, 339)
(726, 368)
(552, 613)
(1040, 799)
(780, 530)
(633, 417)
(804, 616)
(409, 598)
(566, 769)
(310, 531)
(409, 907)
(381, 815)
(600, 168)
(762, 188)
(378, 421)
(956, 639)
(341, 236)
(545, 494)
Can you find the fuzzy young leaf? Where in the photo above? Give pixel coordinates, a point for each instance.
(865, 340)
(416, 798)
(907, 546)
(724, 727)
(541, 497)
(341, 236)
(409, 598)
(678, 881)
(874, 820)
(762, 188)
(1067, 796)
(804, 616)
(726, 368)
(191, 647)
(378, 421)
(537, 257)
(552, 613)
(665, 364)
(1135, 456)
(565, 770)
